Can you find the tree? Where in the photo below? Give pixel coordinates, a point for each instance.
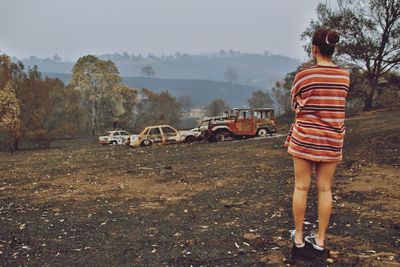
(148, 71)
(157, 109)
(370, 38)
(186, 102)
(216, 108)
(56, 57)
(35, 99)
(45, 107)
(9, 113)
(118, 104)
(260, 100)
(11, 75)
(9, 104)
(391, 93)
(62, 120)
(10, 71)
(231, 74)
(98, 82)
(281, 92)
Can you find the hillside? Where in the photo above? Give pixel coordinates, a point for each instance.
(199, 76)
(200, 204)
(253, 69)
(202, 92)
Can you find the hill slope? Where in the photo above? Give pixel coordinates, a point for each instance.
(202, 92)
(253, 69)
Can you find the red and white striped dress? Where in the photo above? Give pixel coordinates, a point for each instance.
(319, 99)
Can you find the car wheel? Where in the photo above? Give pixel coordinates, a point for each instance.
(145, 143)
(113, 143)
(262, 132)
(220, 137)
(190, 139)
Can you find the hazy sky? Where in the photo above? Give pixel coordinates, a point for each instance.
(74, 28)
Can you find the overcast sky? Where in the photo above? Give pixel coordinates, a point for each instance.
(74, 28)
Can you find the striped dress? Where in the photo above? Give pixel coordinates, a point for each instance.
(319, 99)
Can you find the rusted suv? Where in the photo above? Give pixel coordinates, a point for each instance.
(243, 123)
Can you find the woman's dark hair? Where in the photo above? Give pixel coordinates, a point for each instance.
(326, 41)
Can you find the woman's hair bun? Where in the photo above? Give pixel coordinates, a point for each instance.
(332, 38)
(325, 40)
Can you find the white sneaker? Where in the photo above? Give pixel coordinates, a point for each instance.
(311, 239)
(292, 233)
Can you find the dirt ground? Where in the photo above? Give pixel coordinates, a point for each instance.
(201, 204)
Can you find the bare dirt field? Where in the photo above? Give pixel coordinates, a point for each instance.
(201, 204)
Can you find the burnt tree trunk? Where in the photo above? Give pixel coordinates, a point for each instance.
(368, 103)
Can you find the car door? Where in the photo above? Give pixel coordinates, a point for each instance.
(170, 134)
(244, 122)
(155, 135)
(117, 137)
(124, 136)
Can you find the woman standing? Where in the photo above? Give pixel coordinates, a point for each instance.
(316, 137)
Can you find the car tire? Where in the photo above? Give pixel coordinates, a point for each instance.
(262, 132)
(113, 143)
(145, 143)
(220, 137)
(190, 139)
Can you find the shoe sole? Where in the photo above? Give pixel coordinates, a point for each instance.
(302, 245)
(315, 246)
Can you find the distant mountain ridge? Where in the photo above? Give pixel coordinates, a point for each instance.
(202, 92)
(258, 70)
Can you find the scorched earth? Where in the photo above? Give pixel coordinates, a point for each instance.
(210, 204)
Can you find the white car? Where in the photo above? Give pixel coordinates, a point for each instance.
(114, 138)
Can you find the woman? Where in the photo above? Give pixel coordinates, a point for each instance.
(316, 137)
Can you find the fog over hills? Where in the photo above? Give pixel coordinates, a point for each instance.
(199, 76)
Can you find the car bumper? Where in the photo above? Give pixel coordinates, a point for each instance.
(104, 142)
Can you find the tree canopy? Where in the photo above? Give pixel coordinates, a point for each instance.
(260, 99)
(157, 108)
(231, 74)
(107, 101)
(9, 113)
(34, 109)
(369, 38)
(148, 71)
(217, 107)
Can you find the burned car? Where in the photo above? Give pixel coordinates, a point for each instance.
(243, 123)
(207, 121)
(161, 135)
(118, 137)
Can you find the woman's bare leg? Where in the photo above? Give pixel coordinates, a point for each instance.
(324, 174)
(302, 173)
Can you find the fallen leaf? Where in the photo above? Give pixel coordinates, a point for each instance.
(329, 260)
(251, 236)
(334, 254)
